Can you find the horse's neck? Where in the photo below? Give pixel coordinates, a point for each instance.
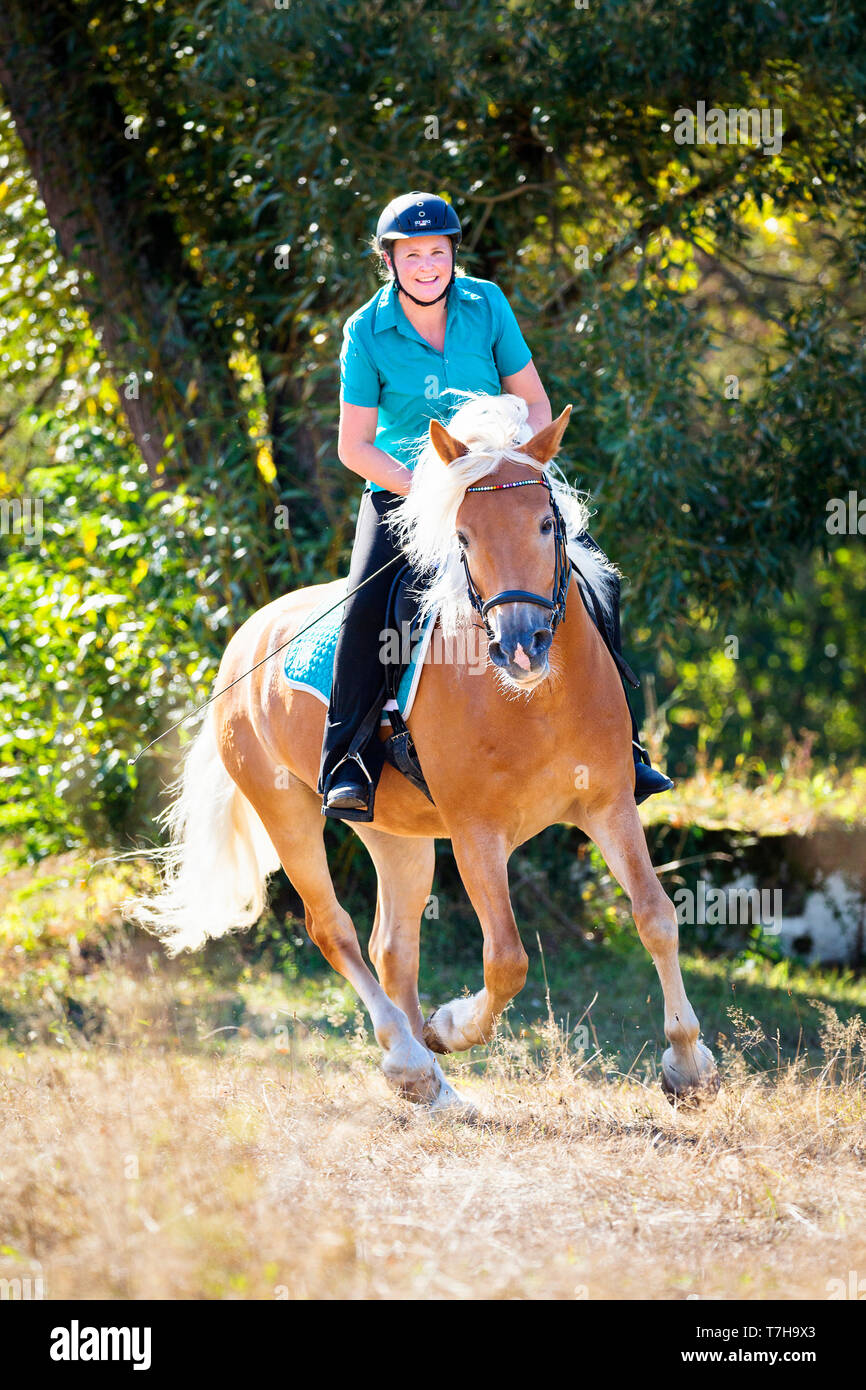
(575, 636)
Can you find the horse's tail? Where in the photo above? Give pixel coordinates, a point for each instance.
(214, 871)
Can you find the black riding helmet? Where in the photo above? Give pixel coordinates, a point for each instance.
(419, 214)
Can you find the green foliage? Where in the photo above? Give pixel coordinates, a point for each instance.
(768, 679)
(109, 627)
(261, 143)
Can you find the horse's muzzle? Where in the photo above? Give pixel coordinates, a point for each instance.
(520, 648)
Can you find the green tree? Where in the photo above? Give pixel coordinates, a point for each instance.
(184, 207)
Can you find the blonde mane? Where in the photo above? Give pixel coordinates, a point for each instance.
(493, 428)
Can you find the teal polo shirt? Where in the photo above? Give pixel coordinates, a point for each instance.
(384, 361)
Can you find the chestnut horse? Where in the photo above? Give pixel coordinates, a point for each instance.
(540, 735)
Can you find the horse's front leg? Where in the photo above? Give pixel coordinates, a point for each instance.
(462, 1023)
(688, 1071)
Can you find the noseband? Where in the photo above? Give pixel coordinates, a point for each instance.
(561, 575)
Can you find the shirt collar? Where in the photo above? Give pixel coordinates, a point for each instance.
(386, 309)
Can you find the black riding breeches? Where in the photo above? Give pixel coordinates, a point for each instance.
(359, 675)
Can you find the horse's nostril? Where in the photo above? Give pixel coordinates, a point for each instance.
(495, 651)
(541, 640)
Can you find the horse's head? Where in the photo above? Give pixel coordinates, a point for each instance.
(513, 549)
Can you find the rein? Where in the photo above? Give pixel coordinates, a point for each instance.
(561, 575)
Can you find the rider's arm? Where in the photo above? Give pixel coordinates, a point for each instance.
(527, 383)
(356, 449)
(360, 389)
(514, 361)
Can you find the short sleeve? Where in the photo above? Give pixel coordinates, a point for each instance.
(359, 379)
(510, 351)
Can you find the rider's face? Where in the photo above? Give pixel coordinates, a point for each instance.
(423, 264)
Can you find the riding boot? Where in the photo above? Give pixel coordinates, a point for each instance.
(352, 754)
(349, 790)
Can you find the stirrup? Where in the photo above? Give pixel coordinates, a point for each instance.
(357, 813)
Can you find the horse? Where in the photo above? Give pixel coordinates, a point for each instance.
(539, 735)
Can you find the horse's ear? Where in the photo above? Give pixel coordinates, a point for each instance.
(545, 444)
(447, 447)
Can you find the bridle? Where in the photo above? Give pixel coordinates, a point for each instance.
(561, 575)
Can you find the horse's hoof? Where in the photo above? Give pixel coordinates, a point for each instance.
(412, 1072)
(454, 1107)
(433, 1091)
(420, 1090)
(693, 1086)
(453, 1028)
(449, 1102)
(432, 1038)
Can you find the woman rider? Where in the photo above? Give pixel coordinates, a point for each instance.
(426, 331)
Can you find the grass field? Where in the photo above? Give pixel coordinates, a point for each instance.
(218, 1126)
(166, 1175)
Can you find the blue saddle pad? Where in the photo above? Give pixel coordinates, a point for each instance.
(309, 661)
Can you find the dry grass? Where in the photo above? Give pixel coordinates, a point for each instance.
(155, 1143)
(152, 1173)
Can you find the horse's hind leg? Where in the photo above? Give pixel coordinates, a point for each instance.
(404, 870)
(688, 1070)
(293, 820)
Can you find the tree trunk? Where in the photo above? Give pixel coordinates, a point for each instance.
(105, 208)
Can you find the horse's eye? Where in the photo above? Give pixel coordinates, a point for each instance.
(547, 526)
(461, 540)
